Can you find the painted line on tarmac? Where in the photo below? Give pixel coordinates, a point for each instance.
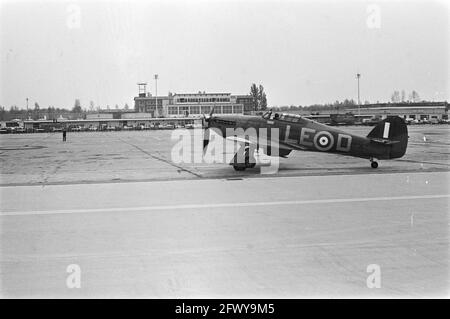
(161, 159)
(220, 205)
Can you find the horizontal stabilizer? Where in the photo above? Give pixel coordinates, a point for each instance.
(383, 141)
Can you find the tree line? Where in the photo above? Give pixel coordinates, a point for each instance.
(259, 97)
(257, 93)
(400, 97)
(51, 112)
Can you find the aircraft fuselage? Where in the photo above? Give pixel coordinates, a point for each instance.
(298, 133)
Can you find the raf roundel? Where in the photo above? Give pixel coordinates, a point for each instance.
(323, 141)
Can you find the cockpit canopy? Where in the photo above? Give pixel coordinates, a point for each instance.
(269, 115)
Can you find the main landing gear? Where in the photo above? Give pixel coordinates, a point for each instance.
(373, 163)
(249, 162)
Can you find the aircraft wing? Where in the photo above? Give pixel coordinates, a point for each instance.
(276, 144)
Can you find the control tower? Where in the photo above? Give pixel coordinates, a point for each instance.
(142, 89)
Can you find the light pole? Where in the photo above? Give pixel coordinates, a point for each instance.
(156, 93)
(358, 75)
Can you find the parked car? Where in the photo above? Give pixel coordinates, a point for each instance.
(414, 121)
(434, 121)
(167, 126)
(19, 130)
(371, 122)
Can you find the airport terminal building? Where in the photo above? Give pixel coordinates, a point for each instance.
(193, 104)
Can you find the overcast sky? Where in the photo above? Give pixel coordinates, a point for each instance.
(301, 52)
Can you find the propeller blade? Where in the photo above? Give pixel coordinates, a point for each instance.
(205, 139)
(203, 121)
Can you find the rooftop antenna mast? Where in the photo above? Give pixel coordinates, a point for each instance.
(156, 94)
(358, 75)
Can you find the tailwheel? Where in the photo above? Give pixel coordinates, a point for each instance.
(250, 160)
(373, 163)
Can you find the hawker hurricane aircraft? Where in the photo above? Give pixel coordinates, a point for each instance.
(388, 139)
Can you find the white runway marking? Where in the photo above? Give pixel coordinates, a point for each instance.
(222, 205)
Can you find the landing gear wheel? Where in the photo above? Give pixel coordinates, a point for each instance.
(374, 164)
(249, 160)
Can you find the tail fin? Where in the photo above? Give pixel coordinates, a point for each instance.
(392, 129)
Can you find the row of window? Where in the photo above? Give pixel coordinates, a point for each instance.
(221, 109)
(202, 100)
(244, 100)
(150, 103)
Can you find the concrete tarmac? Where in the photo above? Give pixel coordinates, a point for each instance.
(87, 157)
(268, 237)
